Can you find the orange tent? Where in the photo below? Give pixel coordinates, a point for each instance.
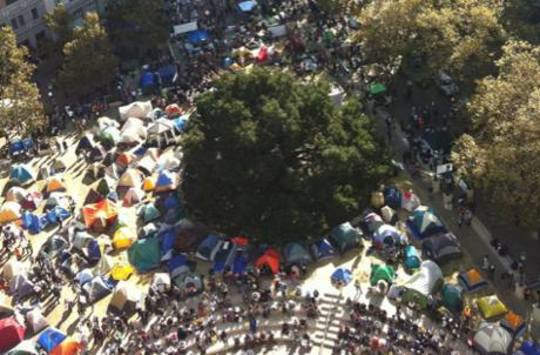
(100, 215)
(270, 259)
(69, 346)
(124, 159)
(173, 110)
(55, 183)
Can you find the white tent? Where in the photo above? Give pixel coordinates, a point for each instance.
(13, 268)
(160, 126)
(492, 339)
(133, 196)
(125, 296)
(26, 347)
(139, 109)
(425, 279)
(147, 164)
(387, 234)
(36, 320)
(104, 266)
(161, 281)
(104, 122)
(410, 201)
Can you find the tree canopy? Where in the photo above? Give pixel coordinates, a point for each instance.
(21, 108)
(89, 63)
(460, 36)
(272, 157)
(503, 154)
(59, 22)
(137, 27)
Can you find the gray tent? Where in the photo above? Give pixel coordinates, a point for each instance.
(21, 286)
(492, 339)
(96, 289)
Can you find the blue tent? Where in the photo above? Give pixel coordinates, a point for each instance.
(424, 223)
(147, 80)
(21, 174)
(240, 263)
(198, 37)
(16, 147)
(57, 214)
(322, 249)
(167, 241)
(224, 257)
(392, 197)
(167, 73)
(530, 348)
(181, 122)
(341, 275)
(31, 222)
(412, 258)
(93, 252)
(177, 265)
(50, 338)
(207, 247)
(247, 6)
(165, 178)
(171, 202)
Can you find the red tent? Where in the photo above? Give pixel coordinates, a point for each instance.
(270, 259)
(100, 215)
(11, 333)
(262, 56)
(240, 240)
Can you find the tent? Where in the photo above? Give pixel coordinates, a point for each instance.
(240, 263)
(492, 339)
(84, 276)
(144, 254)
(59, 165)
(20, 286)
(5, 309)
(341, 276)
(392, 197)
(149, 213)
(100, 215)
(147, 165)
(104, 122)
(16, 194)
(130, 178)
(26, 347)
(491, 306)
(412, 259)
(322, 249)
(514, 324)
(224, 257)
(180, 123)
(105, 186)
(441, 247)
(345, 237)
(13, 268)
(471, 280)
(123, 238)
(452, 298)
(133, 196)
(97, 288)
(132, 137)
(372, 221)
(11, 333)
(381, 272)
(388, 214)
(423, 283)
(36, 321)
(247, 6)
(173, 111)
(377, 88)
(121, 271)
(189, 281)
(424, 223)
(198, 37)
(149, 184)
(124, 159)
(166, 181)
(296, 254)
(387, 236)
(177, 265)
(270, 260)
(9, 212)
(85, 143)
(21, 174)
(161, 281)
(528, 348)
(50, 338)
(69, 346)
(56, 215)
(409, 201)
(104, 266)
(139, 109)
(54, 245)
(32, 200)
(125, 298)
(93, 196)
(208, 247)
(98, 153)
(168, 74)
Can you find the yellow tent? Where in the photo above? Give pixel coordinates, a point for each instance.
(491, 306)
(10, 211)
(131, 178)
(121, 271)
(123, 238)
(55, 183)
(149, 184)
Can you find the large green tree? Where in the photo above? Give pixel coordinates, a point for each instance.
(460, 36)
(271, 156)
(89, 62)
(59, 23)
(137, 27)
(502, 153)
(21, 108)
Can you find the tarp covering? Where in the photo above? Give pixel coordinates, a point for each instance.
(270, 259)
(296, 254)
(50, 339)
(381, 272)
(492, 339)
(99, 215)
(491, 306)
(471, 280)
(144, 254)
(21, 174)
(322, 249)
(345, 237)
(139, 109)
(11, 333)
(441, 247)
(424, 223)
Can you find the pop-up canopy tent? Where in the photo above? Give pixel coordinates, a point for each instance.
(144, 254)
(423, 283)
(322, 249)
(492, 339)
(424, 223)
(11, 333)
(345, 237)
(296, 254)
(138, 109)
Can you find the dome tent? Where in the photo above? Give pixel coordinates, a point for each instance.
(10, 211)
(441, 247)
(11, 333)
(50, 338)
(21, 174)
(345, 237)
(423, 283)
(296, 254)
(424, 223)
(387, 236)
(491, 306)
(16, 194)
(492, 339)
(144, 254)
(270, 259)
(322, 249)
(100, 215)
(125, 298)
(381, 272)
(471, 280)
(452, 298)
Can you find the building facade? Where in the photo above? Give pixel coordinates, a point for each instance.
(26, 16)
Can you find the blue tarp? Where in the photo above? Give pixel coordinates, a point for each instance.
(341, 275)
(50, 338)
(392, 197)
(197, 37)
(31, 223)
(147, 80)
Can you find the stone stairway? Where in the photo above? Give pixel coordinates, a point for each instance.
(332, 314)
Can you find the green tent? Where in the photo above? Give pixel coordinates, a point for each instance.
(345, 237)
(144, 254)
(381, 272)
(149, 212)
(377, 88)
(452, 298)
(105, 186)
